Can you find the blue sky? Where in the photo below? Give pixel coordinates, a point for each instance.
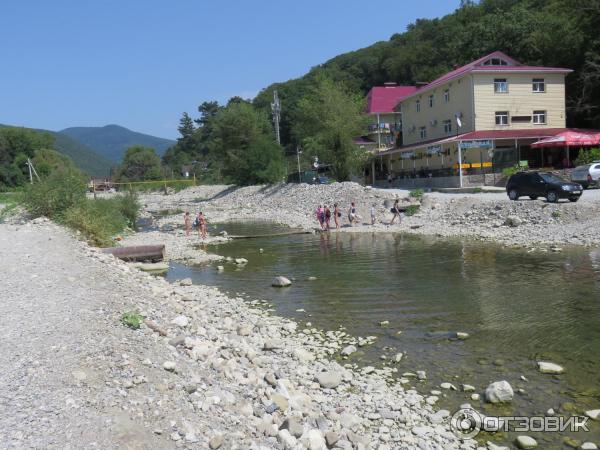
(141, 63)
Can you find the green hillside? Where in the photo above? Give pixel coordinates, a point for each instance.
(111, 141)
(84, 157)
(562, 33)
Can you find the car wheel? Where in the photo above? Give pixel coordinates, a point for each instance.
(552, 197)
(573, 199)
(513, 194)
(533, 197)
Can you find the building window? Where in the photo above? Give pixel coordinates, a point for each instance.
(501, 117)
(447, 96)
(447, 126)
(539, 117)
(539, 85)
(500, 85)
(431, 101)
(418, 105)
(495, 62)
(423, 132)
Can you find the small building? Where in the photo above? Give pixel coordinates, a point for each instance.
(479, 118)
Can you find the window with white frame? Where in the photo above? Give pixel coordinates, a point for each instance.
(447, 96)
(431, 101)
(423, 132)
(539, 85)
(539, 117)
(501, 117)
(500, 85)
(447, 126)
(418, 105)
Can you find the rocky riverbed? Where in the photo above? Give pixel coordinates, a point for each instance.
(203, 370)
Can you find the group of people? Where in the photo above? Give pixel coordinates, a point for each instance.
(200, 222)
(323, 214)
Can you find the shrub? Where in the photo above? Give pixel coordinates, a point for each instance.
(416, 193)
(99, 220)
(129, 206)
(411, 210)
(587, 156)
(132, 320)
(54, 195)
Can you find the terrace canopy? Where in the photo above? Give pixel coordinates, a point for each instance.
(570, 138)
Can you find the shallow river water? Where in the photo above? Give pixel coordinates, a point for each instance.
(517, 307)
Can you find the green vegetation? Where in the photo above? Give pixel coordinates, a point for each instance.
(232, 144)
(326, 120)
(61, 196)
(111, 141)
(132, 320)
(587, 156)
(416, 193)
(139, 164)
(508, 171)
(556, 214)
(411, 210)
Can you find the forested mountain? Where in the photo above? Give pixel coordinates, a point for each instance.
(84, 158)
(111, 141)
(561, 33)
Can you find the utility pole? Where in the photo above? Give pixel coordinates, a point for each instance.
(298, 151)
(276, 109)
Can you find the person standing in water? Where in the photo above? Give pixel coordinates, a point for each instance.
(320, 213)
(352, 216)
(203, 223)
(327, 217)
(373, 214)
(336, 215)
(187, 222)
(396, 211)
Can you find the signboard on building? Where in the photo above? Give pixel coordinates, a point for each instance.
(476, 143)
(434, 149)
(407, 155)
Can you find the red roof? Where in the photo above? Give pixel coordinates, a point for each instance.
(477, 66)
(383, 99)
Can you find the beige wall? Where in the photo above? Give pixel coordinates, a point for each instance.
(460, 102)
(519, 101)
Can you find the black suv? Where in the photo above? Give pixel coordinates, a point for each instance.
(542, 184)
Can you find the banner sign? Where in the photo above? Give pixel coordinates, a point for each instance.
(434, 149)
(476, 143)
(407, 155)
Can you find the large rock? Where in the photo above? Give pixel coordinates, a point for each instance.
(293, 425)
(499, 392)
(347, 351)
(281, 282)
(549, 367)
(303, 355)
(315, 440)
(525, 442)
(329, 380)
(513, 221)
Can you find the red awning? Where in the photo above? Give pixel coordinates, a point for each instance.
(570, 139)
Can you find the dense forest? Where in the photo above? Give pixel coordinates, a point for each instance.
(561, 33)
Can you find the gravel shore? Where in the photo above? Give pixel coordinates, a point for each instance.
(204, 370)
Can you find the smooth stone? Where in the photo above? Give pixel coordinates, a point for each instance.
(398, 357)
(593, 414)
(499, 392)
(169, 365)
(525, 442)
(281, 282)
(272, 344)
(347, 351)
(293, 425)
(329, 380)
(549, 367)
(315, 439)
(448, 386)
(492, 446)
(215, 442)
(220, 268)
(241, 261)
(181, 321)
(185, 282)
(468, 388)
(312, 278)
(589, 446)
(462, 336)
(303, 355)
(331, 438)
(421, 375)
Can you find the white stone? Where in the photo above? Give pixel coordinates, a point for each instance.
(329, 380)
(468, 388)
(169, 365)
(303, 355)
(589, 446)
(181, 321)
(241, 261)
(315, 439)
(525, 442)
(462, 336)
(347, 351)
(549, 367)
(448, 386)
(593, 414)
(475, 397)
(499, 392)
(281, 282)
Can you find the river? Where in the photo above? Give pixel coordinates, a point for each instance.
(517, 307)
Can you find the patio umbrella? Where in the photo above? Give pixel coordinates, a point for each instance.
(569, 139)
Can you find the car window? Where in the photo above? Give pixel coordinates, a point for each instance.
(550, 178)
(597, 167)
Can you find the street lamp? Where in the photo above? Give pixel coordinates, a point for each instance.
(298, 151)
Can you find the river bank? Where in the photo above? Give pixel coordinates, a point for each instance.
(209, 371)
(489, 217)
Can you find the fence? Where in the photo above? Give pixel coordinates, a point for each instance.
(104, 185)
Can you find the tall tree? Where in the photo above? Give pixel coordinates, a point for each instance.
(186, 126)
(139, 164)
(326, 121)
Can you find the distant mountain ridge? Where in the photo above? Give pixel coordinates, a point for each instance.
(84, 158)
(111, 141)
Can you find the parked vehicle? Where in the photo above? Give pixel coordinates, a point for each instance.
(587, 175)
(542, 184)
